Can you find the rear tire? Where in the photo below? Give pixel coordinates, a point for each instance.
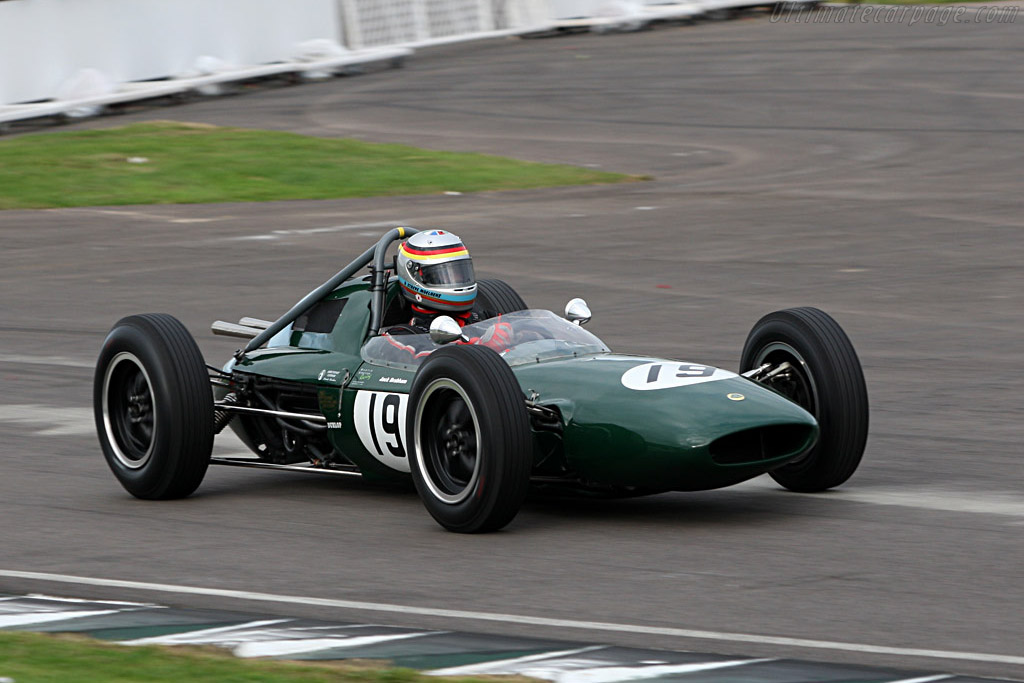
(826, 380)
(496, 297)
(470, 445)
(153, 407)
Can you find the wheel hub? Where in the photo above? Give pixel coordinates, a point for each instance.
(448, 453)
(455, 442)
(128, 410)
(138, 407)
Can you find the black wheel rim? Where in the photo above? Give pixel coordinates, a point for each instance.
(448, 441)
(129, 411)
(796, 383)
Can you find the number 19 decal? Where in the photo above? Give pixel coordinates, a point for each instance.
(380, 424)
(666, 375)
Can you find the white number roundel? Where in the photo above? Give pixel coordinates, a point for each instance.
(670, 374)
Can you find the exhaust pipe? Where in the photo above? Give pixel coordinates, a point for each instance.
(255, 322)
(225, 329)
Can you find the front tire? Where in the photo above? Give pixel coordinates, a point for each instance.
(825, 379)
(471, 449)
(153, 407)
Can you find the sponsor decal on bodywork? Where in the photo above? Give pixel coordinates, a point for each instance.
(329, 376)
(362, 376)
(382, 378)
(330, 402)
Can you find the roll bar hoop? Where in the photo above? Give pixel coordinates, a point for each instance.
(378, 285)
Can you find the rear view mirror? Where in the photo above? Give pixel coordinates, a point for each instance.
(577, 311)
(444, 330)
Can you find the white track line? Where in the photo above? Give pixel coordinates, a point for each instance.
(500, 665)
(257, 639)
(519, 619)
(54, 598)
(35, 618)
(278, 234)
(615, 674)
(206, 635)
(50, 421)
(58, 361)
(982, 503)
(292, 647)
(999, 503)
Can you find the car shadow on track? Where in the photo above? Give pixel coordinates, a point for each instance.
(716, 508)
(744, 508)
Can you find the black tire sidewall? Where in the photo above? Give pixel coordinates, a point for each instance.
(504, 433)
(160, 476)
(839, 392)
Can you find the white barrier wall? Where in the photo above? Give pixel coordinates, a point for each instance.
(94, 52)
(370, 23)
(375, 23)
(45, 43)
(581, 9)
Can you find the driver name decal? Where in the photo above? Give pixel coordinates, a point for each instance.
(380, 424)
(671, 374)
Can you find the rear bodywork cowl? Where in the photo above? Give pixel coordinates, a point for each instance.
(668, 425)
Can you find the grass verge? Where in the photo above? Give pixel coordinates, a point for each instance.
(177, 163)
(42, 658)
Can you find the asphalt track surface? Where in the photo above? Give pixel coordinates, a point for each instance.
(872, 170)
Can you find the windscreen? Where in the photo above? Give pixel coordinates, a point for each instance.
(527, 337)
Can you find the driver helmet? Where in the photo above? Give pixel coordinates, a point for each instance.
(435, 272)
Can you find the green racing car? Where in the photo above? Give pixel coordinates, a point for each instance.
(476, 427)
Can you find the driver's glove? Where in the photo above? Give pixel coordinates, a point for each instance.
(498, 337)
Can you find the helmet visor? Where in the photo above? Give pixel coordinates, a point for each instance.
(451, 274)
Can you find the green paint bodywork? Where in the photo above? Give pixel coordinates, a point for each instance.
(611, 435)
(655, 439)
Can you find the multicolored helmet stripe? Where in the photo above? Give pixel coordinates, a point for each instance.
(431, 254)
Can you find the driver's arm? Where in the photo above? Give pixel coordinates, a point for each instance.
(403, 351)
(498, 337)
